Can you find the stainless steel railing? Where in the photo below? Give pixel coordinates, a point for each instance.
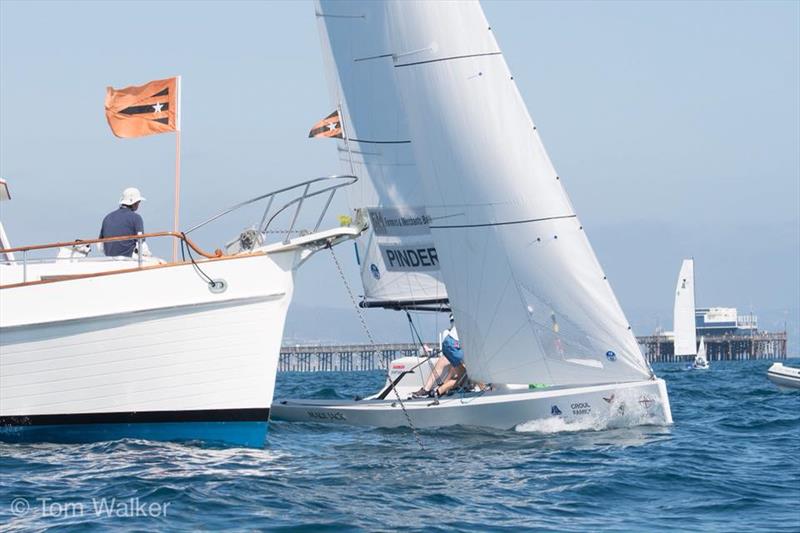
(310, 189)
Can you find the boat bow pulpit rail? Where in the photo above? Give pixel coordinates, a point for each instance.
(310, 188)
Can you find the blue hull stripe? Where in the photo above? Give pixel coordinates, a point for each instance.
(250, 434)
(244, 427)
(138, 417)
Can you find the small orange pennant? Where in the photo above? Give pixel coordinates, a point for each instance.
(330, 126)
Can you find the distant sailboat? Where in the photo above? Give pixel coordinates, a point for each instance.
(700, 360)
(683, 315)
(530, 299)
(685, 329)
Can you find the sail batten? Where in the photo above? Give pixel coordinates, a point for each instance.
(531, 301)
(505, 223)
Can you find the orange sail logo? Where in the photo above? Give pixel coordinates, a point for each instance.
(147, 109)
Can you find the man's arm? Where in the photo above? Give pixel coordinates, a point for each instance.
(139, 223)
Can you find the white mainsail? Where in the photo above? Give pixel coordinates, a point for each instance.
(683, 315)
(531, 301)
(397, 257)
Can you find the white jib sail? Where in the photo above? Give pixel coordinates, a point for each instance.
(398, 260)
(530, 299)
(683, 314)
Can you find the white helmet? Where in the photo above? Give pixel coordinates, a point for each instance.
(130, 196)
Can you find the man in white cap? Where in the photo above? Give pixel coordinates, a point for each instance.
(121, 222)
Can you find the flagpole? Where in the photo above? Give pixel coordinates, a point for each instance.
(177, 206)
(346, 140)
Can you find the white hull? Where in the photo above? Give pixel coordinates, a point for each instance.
(785, 377)
(145, 346)
(151, 352)
(205, 356)
(637, 403)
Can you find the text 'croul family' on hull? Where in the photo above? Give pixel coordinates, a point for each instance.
(531, 301)
(100, 348)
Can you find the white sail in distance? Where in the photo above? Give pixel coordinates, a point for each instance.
(683, 320)
(701, 350)
(531, 302)
(398, 260)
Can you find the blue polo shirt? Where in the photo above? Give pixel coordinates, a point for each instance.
(117, 223)
(451, 349)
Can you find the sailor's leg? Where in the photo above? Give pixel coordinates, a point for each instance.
(438, 369)
(452, 379)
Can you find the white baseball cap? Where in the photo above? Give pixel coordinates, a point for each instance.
(130, 196)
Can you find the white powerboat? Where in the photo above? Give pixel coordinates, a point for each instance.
(785, 377)
(99, 348)
(542, 331)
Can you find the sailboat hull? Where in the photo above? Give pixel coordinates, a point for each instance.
(637, 403)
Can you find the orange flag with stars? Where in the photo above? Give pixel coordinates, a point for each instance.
(147, 109)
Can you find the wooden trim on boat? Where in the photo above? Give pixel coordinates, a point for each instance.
(181, 236)
(71, 277)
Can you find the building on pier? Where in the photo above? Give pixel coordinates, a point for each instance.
(717, 321)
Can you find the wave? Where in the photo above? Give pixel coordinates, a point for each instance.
(625, 411)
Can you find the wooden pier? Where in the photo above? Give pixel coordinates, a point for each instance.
(759, 345)
(341, 358)
(656, 348)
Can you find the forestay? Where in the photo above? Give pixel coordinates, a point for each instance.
(683, 314)
(398, 260)
(530, 299)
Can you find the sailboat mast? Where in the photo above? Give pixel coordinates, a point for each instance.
(694, 301)
(346, 138)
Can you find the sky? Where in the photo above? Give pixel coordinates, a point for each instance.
(675, 127)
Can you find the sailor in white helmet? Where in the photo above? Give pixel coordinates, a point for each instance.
(124, 221)
(453, 355)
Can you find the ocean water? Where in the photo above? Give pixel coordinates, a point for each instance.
(731, 462)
